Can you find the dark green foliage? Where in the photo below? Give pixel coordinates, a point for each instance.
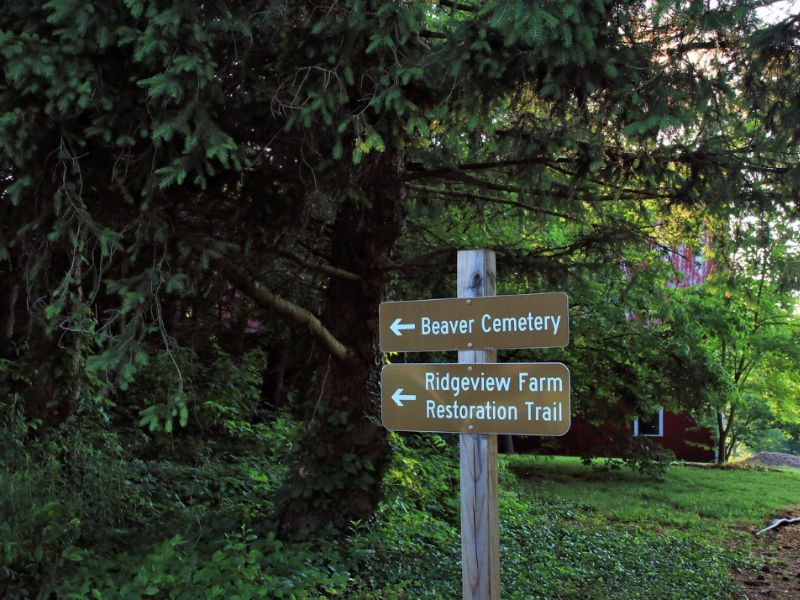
(639, 454)
(183, 182)
(548, 550)
(240, 564)
(154, 512)
(606, 562)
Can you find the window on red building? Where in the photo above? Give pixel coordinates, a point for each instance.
(650, 425)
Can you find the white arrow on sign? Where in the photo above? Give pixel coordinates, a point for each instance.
(398, 328)
(399, 397)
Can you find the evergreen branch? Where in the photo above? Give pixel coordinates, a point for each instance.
(433, 35)
(491, 199)
(319, 266)
(716, 44)
(452, 174)
(416, 171)
(487, 185)
(458, 5)
(269, 300)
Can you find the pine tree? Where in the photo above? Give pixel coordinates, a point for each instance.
(154, 153)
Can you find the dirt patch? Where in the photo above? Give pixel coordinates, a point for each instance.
(778, 576)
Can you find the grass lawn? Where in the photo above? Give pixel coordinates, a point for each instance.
(568, 531)
(621, 535)
(690, 497)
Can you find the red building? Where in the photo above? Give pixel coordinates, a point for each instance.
(676, 432)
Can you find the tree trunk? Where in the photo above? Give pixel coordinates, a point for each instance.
(721, 437)
(345, 447)
(724, 427)
(8, 302)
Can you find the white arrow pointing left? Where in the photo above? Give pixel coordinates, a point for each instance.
(398, 328)
(399, 397)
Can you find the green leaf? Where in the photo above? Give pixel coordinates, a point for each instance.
(73, 553)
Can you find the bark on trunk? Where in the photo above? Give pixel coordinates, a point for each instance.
(722, 435)
(8, 302)
(345, 447)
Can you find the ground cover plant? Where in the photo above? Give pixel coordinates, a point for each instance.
(170, 522)
(573, 531)
(699, 515)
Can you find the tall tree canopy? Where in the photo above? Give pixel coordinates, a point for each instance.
(748, 312)
(173, 171)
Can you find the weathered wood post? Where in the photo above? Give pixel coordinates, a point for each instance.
(477, 401)
(480, 531)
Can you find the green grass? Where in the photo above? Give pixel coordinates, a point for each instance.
(618, 534)
(690, 496)
(570, 531)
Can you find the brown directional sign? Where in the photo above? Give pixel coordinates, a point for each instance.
(505, 398)
(522, 321)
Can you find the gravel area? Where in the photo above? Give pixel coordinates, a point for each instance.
(775, 459)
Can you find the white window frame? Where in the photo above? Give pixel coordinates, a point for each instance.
(660, 426)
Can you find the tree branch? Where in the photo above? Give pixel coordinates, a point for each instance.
(716, 44)
(432, 35)
(319, 266)
(469, 196)
(269, 300)
(457, 5)
(417, 171)
(487, 185)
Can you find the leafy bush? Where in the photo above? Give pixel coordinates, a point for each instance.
(241, 565)
(639, 454)
(93, 509)
(412, 549)
(56, 489)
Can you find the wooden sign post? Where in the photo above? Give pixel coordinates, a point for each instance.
(477, 402)
(480, 529)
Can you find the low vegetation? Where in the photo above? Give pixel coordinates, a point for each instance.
(573, 531)
(723, 499)
(90, 520)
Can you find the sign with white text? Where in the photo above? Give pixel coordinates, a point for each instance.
(522, 321)
(505, 398)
